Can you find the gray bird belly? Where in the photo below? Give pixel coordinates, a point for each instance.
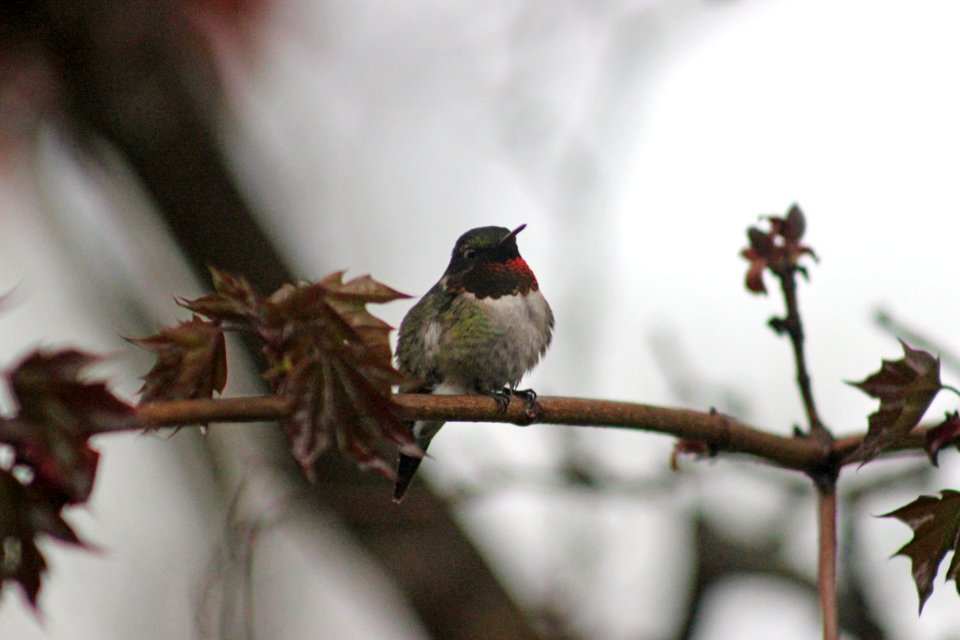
(520, 333)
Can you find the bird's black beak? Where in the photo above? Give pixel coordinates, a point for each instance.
(512, 234)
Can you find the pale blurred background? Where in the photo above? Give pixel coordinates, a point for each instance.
(142, 139)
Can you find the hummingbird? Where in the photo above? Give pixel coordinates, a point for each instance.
(476, 331)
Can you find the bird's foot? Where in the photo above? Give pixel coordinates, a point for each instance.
(528, 395)
(533, 410)
(502, 396)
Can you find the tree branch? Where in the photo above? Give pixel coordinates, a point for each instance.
(174, 413)
(719, 432)
(827, 561)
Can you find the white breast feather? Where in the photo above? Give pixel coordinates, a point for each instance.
(521, 318)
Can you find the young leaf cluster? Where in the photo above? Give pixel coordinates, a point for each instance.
(777, 249)
(326, 354)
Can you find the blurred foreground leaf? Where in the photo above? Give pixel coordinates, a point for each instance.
(25, 513)
(58, 412)
(52, 464)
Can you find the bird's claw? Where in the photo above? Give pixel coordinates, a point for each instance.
(502, 397)
(533, 411)
(529, 395)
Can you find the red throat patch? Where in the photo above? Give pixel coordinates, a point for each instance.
(495, 279)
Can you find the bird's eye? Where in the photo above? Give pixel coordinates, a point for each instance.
(469, 253)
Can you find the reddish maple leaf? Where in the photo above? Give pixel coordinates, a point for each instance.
(936, 531)
(777, 249)
(25, 513)
(329, 355)
(233, 300)
(333, 357)
(942, 435)
(191, 361)
(52, 463)
(58, 412)
(45, 383)
(905, 387)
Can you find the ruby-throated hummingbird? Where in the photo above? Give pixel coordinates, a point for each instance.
(477, 331)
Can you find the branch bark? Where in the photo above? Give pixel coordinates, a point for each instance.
(792, 325)
(827, 562)
(719, 432)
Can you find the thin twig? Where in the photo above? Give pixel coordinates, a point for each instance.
(792, 324)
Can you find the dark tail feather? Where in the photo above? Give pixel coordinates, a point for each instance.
(405, 470)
